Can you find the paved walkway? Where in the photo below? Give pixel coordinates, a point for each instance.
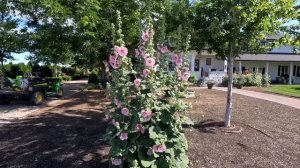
(292, 102)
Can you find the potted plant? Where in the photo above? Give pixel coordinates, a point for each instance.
(210, 84)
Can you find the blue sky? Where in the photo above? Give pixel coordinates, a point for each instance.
(21, 58)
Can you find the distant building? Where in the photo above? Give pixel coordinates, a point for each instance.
(282, 64)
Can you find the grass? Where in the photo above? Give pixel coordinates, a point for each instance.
(287, 90)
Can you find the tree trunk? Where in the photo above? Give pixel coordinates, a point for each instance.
(104, 69)
(229, 92)
(2, 66)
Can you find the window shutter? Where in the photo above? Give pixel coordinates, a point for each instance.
(278, 73)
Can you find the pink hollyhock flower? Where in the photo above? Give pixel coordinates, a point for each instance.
(125, 111)
(150, 62)
(145, 36)
(116, 162)
(123, 51)
(140, 128)
(142, 50)
(114, 62)
(174, 58)
(146, 72)
(179, 61)
(116, 50)
(164, 49)
(137, 82)
(112, 58)
(118, 103)
(137, 53)
(123, 136)
(146, 115)
(160, 148)
(185, 77)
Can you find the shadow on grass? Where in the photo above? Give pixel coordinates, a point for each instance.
(73, 138)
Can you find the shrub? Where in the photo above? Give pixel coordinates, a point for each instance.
(94, 79)
(193, 80)
(266, 80)
(252, 79)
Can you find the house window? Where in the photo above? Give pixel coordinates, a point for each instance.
(208, 61)
(283, 70)
(197, 65)
(298, 71)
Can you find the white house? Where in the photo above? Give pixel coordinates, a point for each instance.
(282, 64)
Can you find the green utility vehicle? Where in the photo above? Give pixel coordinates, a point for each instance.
(34, 90)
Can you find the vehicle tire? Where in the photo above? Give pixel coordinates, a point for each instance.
(36, 98)
(60, 93)
(4, 100)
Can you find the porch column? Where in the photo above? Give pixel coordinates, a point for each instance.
(240, 67)
(291, 73)
(267, 68)
(225, 65)
(193, 63)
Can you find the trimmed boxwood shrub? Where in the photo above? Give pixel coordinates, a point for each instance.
(251, 79)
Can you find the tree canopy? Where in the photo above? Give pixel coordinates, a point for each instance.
(233, 27)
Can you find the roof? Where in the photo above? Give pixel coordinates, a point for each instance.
(269, 57)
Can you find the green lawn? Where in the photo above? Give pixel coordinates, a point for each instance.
(287, 90)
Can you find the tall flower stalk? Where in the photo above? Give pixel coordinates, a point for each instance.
(147, 111)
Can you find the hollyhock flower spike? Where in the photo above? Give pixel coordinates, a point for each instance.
(123, 136)
(145, 36)
(118, 103)
(140, 128)
(137, 82)
(146, 72)
(159, 148)
(116, 162)
(123, 51)
(125, 111)
(150, 62)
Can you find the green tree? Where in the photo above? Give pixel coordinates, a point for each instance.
(232, 27)
(10, 38)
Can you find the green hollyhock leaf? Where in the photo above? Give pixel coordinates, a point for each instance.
(145, 159)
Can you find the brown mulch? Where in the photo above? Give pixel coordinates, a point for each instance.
(70, 134)
(67, 135)
(270, 135)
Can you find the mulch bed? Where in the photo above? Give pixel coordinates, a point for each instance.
(70, 135)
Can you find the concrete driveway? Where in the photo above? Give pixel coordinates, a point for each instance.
(20, 109)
